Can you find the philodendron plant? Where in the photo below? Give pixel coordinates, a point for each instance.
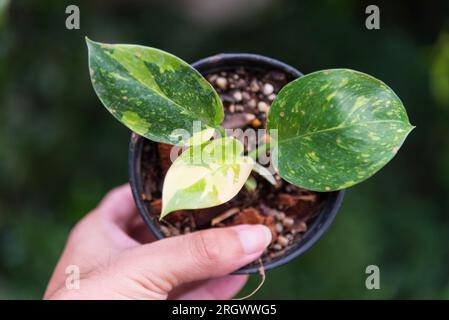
(334, 128)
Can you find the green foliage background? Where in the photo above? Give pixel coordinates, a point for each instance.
(60, 151)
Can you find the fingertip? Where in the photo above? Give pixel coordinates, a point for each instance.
(253, 238)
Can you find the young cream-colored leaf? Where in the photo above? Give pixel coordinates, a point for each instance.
(200, 137)
(264, 173)
(205, 176)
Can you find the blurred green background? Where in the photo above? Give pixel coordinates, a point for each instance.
(60, 151)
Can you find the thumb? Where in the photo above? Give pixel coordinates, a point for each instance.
(200, 255)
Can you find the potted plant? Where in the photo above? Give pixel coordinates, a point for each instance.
(325, 132)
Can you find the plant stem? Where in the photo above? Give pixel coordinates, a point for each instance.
(251, 184)
(256, 152)
(222, 131)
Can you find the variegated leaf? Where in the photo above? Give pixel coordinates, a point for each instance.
(205, 176)
(336, 128)
(153, 92)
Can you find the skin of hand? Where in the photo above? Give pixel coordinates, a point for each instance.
(118, 258)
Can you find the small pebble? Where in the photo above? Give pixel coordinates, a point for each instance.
(277, 247)
(249, 117)
(268, 89)
(289, 236)
(239, 107)
(302, 227)
(235, 76)
(175, 232)
(254, 86)
(256, 123)
(252, 103)
(237, 95)
(280, 216)
(246, 96)
(271, 97)
(240, 83)
(212, 78)
(222, 82)
(262, 106)
(165, 231)
(288, 222)
(279, 228)
(231, 108)
(268, 211)
(186, 230)
(283, 241)
(226, 98)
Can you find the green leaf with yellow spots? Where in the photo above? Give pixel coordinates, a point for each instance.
(336, 128)
(154, 93)
(205, 176)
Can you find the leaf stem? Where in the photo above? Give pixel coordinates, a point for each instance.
(222, 131)
(256, 152)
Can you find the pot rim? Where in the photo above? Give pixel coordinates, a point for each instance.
(321, 221)
(209, 63)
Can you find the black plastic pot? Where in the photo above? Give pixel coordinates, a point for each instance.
(213, 64)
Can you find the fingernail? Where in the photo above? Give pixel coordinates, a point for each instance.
(254, 238)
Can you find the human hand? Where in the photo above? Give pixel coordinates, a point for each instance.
(112, 249)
